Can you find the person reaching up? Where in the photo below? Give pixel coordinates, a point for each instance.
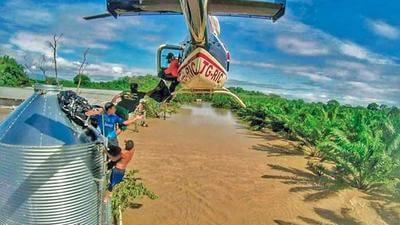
(121, 161)
(109, 122)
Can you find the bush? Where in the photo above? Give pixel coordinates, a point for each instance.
(362, 142)
(11, 73)
(85, 80)
(128, 191)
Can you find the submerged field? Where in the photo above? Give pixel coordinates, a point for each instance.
(341, 167)
(207, 168)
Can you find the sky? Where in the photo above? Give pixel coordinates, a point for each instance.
(320, 50)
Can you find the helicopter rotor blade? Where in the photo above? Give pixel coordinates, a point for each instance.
(104, 15)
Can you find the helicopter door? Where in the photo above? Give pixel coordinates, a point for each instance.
(162, 53)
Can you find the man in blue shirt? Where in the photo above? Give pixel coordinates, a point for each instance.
(109, 122)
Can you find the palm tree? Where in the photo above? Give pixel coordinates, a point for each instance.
(361, 154)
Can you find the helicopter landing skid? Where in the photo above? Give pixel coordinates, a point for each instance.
(210, 91)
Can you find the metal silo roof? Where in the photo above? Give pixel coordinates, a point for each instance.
(50, 173)
(39, 121)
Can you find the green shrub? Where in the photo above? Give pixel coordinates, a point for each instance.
(11, 73)
(127, 192)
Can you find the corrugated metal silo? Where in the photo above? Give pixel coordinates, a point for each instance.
(48, 167)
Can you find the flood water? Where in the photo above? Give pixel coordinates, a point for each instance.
(209, 169)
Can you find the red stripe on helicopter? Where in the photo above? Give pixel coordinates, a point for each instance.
(204, 56)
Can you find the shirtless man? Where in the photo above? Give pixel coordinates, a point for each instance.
(117, 173)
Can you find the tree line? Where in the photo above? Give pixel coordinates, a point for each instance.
(362, 142)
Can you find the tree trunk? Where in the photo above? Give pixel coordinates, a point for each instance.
(55, 64)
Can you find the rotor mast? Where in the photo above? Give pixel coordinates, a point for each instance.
(196, 16)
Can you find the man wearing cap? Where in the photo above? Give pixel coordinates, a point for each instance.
(109, 122)
(171, 73)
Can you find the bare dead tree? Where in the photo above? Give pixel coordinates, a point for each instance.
(28, 64)
(81, 68)
(53, 44)
(42, 66)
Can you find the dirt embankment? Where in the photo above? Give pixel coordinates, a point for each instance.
(3, 113)
(209, 169)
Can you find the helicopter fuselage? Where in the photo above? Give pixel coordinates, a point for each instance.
(204, 59)
(205, 62)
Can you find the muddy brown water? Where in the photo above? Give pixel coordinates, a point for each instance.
(209, 169)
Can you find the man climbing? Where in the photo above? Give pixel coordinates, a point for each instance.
(162, 92)
(131, 103)
(109, 122)
(171, 72)
(127, 102)
(122, 159)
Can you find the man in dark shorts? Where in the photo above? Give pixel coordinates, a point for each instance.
(118, 172)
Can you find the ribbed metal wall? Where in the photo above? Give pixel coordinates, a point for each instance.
(52, 182)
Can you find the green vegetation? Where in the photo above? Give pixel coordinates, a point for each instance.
(146, 83)
(11, 73)
(127, 192)
(362, 142)
(85, 80)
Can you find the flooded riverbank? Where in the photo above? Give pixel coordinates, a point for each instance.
(209, 169)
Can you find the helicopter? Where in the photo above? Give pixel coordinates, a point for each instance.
(204, 59)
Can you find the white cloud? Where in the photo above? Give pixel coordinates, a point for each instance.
(383, 29)
(298, 46)
(316, 77)
(353, 50)
(295, 37)
(117, 69)
(350, 70)
(31, 42)
(254, 64)
(358, 52)
(100, 71)
(25, 13)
